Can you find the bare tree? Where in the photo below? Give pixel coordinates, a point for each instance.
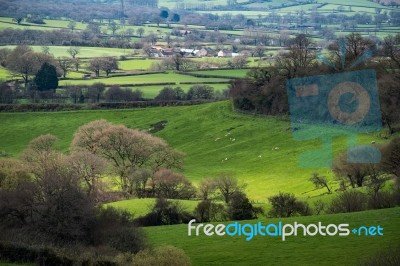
(259, 51)
(391, 48)
(89, 168)
(353, 173)
(207, 187)
(65, 64)
(320, 182)
(114, 27)
(72, 25)
(127, 149)
(299, 58)
(73, 51)
(391, 157)
(22, 63)
(227, 185)
(168, 184)
(140, 32)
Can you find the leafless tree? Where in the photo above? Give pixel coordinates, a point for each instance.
(227, 185)
(73, 51)
(320, 182)
(127, 149)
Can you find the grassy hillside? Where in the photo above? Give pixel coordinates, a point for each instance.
(214, 138)
(299, 250)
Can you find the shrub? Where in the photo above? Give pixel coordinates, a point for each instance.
(348, 201)
(162, 256)
(165, 212)
(286, 205)
(380, 200)
(200, 92)
(386, 257)
(116, 94)
(208, 211)
(117, 229)
(240, 207)
(168, 184)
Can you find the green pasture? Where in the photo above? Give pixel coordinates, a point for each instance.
(236, 73)
(84, 52)
(260, 151)
(140, 79)
(50, 24)
(300, 250)
(140, 207)
(137, 64)
(4, 73)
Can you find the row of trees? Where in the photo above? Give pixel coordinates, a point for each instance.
(98, 92)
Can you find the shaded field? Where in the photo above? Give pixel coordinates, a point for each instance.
(300, 250)
(140, 207)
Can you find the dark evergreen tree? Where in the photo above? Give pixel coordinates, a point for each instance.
(46, 78)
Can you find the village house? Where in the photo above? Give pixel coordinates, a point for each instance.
(206, 52)
(224, 53)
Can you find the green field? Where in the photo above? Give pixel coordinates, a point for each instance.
(137, 64)
(300, 250)
(235, 73)
(140, 79)
(4, 73)
(214, 138)
(140, 207)
(50, 24)
(84, 52)
(152, 91)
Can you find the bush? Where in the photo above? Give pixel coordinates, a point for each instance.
(117, 229)
(387, 257)
(208, 211)
(170, 94)
(287, 205)
(116, 94)
(162, 256)
(240, 207)
(168, 184)
(348, 201)
(165, 212)
(200, 92)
